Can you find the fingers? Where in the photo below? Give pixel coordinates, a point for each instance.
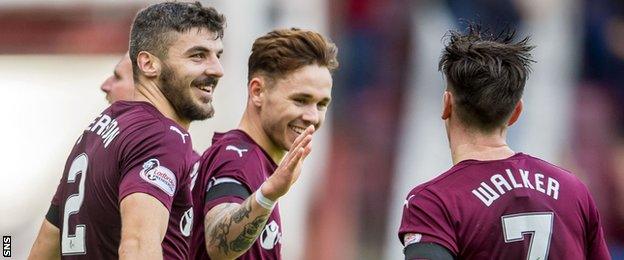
(302, 140)
(296, 159)
(308, 131)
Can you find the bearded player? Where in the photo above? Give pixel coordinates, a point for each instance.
(495, 203)
(125, 191)
(239, 184)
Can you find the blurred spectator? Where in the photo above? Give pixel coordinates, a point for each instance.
(598, 138)
(494, 14)
(349, 214)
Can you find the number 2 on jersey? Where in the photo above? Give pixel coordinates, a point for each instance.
(538, 224)
(75, 244)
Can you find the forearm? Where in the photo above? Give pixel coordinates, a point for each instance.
(140, 248)
(232, 228)
(47, 244)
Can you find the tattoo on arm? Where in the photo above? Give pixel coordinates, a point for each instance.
(249, 234)
(219, 232)
(242, 213)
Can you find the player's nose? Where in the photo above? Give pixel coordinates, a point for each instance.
(311, 115)
(107, 85)
(214, 68)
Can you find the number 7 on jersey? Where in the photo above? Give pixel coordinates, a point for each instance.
(538, 224)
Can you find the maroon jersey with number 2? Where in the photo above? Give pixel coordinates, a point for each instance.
(129, 148)
(516, 208)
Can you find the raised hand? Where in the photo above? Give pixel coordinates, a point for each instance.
(289, 169)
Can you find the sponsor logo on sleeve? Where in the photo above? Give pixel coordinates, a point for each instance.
(412, 238)
(159, 176)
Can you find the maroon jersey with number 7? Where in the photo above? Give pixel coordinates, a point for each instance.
(516, 208)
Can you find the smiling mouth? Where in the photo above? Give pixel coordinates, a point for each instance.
(297, 129)
(206, 88)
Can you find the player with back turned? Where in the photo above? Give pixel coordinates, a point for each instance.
(125, 190)
(495, 203)
(239, 182)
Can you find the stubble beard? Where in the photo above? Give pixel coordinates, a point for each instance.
(180, 97)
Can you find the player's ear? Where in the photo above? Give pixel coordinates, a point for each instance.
(447, 104)
(256, 88)
(515, 114)
(148, 64)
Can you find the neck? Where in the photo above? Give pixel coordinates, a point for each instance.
(250, 124)
(466, 144)
(148, 91)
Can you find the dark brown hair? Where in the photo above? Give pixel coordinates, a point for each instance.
(152, 27)
(283, 51)
(486, 74)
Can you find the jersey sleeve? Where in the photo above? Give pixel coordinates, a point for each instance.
(427, 217)
(597, 248)
(233, 167)
(154, 162)
(56, 199)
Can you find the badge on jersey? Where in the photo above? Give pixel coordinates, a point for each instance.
(159, 176)
(270, 236)
(186, 222)
(411, 239)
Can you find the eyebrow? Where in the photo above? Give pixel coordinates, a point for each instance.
(201, 49)
(308, 96)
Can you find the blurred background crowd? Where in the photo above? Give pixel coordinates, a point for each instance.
(384, 134)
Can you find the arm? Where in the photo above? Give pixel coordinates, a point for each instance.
(144, 222)
(417, 250)
(232, 228)
(47, 244)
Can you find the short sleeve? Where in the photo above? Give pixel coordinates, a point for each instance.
(425, 215)
(56, 200)
(228, 163)
(235, 174)
(597, 247)
(154, 163)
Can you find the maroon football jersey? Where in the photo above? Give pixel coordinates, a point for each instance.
(516, 208)
(131, 147)
(235, 156)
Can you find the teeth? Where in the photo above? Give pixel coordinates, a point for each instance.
(204, 88)
(297, 130)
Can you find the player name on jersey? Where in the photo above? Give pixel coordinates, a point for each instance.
(509, 181)
(106, 127)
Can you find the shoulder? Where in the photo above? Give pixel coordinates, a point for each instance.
(441, 181)
(547, 164)
(143, 125)
(560, 173)
(148, 133)
(233, 150)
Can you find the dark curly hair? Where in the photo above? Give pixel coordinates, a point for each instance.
(486, 74)
(153, 26)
